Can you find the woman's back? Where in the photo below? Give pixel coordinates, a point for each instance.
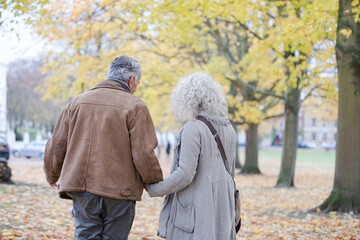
(205, 208)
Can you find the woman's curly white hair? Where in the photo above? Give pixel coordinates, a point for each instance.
(198, 92)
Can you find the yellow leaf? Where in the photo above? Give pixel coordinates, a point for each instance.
(346, 32)
(10, 232)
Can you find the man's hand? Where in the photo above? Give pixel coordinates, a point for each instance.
(54, 185)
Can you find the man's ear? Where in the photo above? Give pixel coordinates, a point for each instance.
(132, 78)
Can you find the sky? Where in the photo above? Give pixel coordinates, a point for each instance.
(18, 40)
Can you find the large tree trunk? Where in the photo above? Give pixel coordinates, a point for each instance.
(251, 150)
(345, 196)
(288, 159)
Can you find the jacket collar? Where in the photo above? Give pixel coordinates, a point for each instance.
(109, 84)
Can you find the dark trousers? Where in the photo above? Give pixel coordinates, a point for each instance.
(103, 218)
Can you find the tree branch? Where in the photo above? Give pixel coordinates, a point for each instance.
(274, 116)
(311, 92)
(264, 96)
(247, 28)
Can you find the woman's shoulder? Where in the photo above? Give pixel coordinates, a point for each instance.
(193, 125)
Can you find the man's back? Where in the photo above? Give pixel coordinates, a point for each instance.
(108, 132)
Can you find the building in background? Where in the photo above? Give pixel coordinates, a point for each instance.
(314, 131)
(318, 131)
(3, 90)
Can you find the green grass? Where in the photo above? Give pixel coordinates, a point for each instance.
(307, 156)
(303, 156)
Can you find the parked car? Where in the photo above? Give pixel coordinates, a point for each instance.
(4, 149)
(328, 146)
(306, 145)
(33, 149)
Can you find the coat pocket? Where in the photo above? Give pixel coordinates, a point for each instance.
(184, 217)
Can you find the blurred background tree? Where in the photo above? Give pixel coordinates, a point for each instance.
(17, 9)
(24, 101)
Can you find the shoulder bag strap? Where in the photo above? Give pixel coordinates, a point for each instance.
(217, 139)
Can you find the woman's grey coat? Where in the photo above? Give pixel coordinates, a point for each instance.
(200, 192)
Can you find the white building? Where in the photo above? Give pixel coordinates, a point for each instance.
(314, 131)
(3, 90)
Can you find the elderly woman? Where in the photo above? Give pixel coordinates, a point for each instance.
(199, 201)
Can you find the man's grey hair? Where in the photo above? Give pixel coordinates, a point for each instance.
(124, 67)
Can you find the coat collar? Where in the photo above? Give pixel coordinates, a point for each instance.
(109, 84)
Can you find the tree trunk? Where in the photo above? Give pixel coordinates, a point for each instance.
(237, 159)
(251, 150)
(288, 159)
(345, 196)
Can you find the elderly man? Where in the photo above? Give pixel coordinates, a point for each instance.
(102, 150)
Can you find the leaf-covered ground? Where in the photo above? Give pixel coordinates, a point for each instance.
(31, 209)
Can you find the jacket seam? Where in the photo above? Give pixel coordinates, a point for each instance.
(142, 149)
(99, 104)
(89, 150)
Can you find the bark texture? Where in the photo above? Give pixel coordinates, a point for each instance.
(345, 196)
(251, 150)
(288, 159)
(237, 159)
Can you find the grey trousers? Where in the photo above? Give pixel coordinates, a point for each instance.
(103, 218)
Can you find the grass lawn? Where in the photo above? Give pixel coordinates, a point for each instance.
(312, 156)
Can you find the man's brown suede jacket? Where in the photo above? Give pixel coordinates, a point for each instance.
(103, 143)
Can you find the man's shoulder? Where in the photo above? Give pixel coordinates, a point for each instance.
(74, 101)
(136, 100)
(121, 99)
(135, 103)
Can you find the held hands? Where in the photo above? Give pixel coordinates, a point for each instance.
(53, 184)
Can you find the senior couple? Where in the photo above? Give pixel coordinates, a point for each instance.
(101, 155)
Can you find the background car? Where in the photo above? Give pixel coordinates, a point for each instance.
(306, 145)
(33, 149)
(4, 149)
(328, 146)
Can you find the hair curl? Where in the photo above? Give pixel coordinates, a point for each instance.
(195, 93)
